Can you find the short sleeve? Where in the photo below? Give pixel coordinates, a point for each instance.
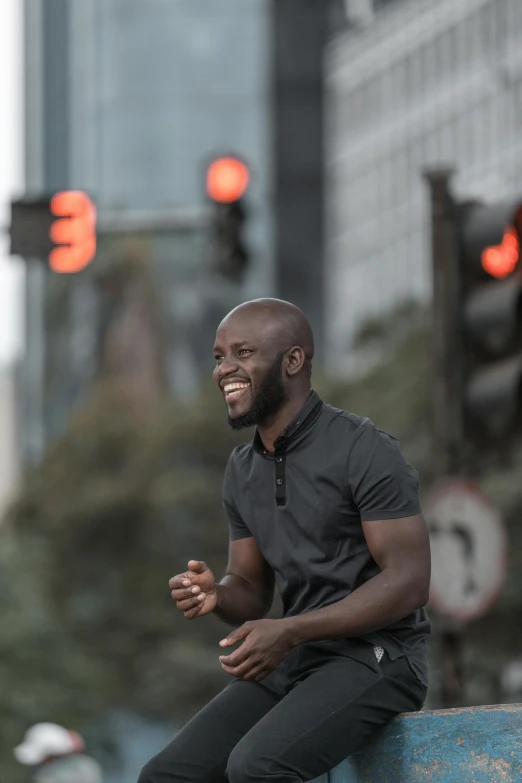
(382, 482)
(236, 525)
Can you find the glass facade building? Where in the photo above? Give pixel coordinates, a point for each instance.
(429, 82)
(160, 86)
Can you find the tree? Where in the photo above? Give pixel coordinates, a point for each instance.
(118, 505)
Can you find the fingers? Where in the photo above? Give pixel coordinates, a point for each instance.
(198, 566)
(183, 580)
(246, 671)
(237, 657)
(256, 674)
(188, 598)
(190, 603)
(179, 581)
(192, 613)
(235, 636)
(186, 592)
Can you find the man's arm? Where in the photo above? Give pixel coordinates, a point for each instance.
(247, 591)
(401, 548)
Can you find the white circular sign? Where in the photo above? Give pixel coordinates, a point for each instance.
(468, 550)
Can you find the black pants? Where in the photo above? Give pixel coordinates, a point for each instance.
(300, 721)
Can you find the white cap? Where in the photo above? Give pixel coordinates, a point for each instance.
(47, 739)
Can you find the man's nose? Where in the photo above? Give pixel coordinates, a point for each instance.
(227, 366)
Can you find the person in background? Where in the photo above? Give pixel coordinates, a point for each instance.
(57, 755)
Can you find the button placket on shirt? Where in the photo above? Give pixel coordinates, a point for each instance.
(280, 477)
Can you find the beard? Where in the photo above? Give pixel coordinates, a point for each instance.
(267, 401)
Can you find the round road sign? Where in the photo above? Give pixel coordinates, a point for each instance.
(468, 550)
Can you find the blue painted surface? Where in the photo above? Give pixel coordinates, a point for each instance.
(468, 745)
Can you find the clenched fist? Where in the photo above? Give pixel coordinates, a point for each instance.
(195, 590)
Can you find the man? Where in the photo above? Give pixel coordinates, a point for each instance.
(56, 755)
(324, 504)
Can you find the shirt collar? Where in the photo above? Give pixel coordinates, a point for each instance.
(301, 421)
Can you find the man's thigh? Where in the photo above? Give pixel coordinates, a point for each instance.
(324, 719)
(200, 751)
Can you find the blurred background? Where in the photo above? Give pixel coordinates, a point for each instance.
(235, 149)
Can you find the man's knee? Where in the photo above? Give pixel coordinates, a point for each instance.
(236, 767)
(154, 772)
(147, 773)
(245, 765)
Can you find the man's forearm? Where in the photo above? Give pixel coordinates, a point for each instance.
(238, 602)
(379, 602)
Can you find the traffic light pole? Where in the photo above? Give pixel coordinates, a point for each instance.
(448, 429)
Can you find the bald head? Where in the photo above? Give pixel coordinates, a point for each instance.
(263, 352)
(278, 320)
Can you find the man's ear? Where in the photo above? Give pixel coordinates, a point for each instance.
(295, 358)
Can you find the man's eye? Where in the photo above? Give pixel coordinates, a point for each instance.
(244, 350)
(218, 358)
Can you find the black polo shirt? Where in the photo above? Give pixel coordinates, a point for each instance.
(304, 505)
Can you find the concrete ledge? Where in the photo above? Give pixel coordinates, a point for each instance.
(468, 745)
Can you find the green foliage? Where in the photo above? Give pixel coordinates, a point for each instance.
(395, 392)
(42, 671)
(119, 505)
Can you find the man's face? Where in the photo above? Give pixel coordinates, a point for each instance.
(248, 372)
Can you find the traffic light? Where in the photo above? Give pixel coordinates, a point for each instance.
(491, 312)
(226, 184)
(59, 229)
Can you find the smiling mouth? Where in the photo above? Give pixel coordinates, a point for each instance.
(234, 390)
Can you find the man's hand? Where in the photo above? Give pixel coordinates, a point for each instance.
(195, 590)
(266, 643)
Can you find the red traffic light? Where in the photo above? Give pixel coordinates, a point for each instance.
(227, 180)
(74, 231)
(500, 260)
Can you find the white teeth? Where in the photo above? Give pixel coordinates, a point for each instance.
(234, 388)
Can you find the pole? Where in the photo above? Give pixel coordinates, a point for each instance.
(47, 42)
(33, 367)
(448, 430)
(299, 31)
